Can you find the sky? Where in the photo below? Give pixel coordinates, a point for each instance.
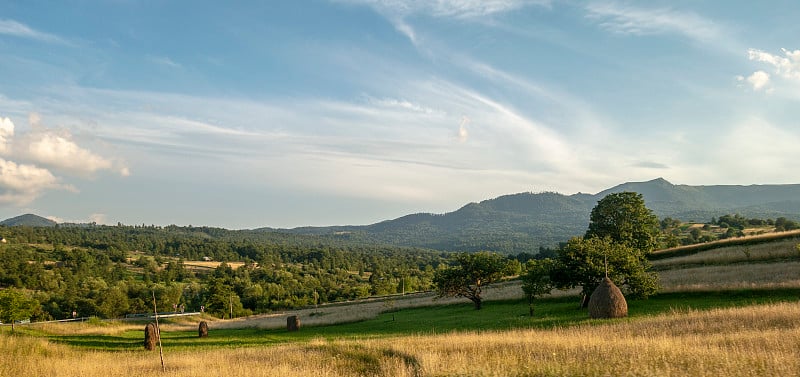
(294, 113)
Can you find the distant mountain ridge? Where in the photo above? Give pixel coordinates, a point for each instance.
(28, 219)
(522, 222)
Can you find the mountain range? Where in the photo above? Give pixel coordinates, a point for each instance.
(524, 222)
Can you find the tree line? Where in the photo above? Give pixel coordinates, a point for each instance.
(110, 271)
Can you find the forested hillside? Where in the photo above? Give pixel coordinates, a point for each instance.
(109, 271)
(526, 222)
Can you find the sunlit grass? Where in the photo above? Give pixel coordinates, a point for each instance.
(771, 251)
(718, 316)
(761, 340)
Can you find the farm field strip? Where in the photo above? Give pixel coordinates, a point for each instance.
(778, 250)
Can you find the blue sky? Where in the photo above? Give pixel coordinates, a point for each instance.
(291, 113)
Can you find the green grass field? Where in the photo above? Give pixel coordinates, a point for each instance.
(495, 316)
(703, 324)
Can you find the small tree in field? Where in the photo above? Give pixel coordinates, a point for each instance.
(470, 273)
(536, 281)
(14, 306)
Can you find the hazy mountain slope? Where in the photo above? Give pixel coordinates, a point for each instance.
(523, 222)
(28, 220)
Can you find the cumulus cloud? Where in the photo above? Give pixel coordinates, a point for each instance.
(787, 66)
(53, 148)
(759, 80)
(99, 218)
(62, 152)
(20, 184)
(6, 132)
(28, 157)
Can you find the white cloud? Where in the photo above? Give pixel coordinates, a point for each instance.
(405, 29)
(787, 66)
(34, 119)
(463, 134)
(623, 19)
(20, 184)
(759, 80)
(398, 11)
(14, 28)
(53, 148)
(6, 132)
(99, 218)
(407, 127)
(60, 151)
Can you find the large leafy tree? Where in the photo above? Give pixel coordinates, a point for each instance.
(15, 306)
(583, 262)
(622, 232)
(470, 273)
(625, 219)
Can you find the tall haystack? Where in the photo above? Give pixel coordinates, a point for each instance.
(150, 337)
(607, 301)
(293, 323)
(202, 329)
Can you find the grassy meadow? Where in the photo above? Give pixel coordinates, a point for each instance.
(723, 312)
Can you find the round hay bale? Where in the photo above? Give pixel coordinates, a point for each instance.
(202, 330)
(293, 323)
(150, 336)
(607, 301)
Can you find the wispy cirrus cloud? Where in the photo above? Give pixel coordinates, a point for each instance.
(164, 61)
(17, 29)
(624, 19)
(399, 11)
(461, 9)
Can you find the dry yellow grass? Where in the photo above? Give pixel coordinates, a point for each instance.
(210, 265)
(730, 254)
(737, 276)
(752, 341)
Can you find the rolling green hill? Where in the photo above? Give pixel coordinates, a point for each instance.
(523, 222)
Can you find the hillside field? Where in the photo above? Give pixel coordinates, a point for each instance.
(727, 311)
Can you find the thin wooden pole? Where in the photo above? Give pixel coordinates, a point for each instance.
(158, 332)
